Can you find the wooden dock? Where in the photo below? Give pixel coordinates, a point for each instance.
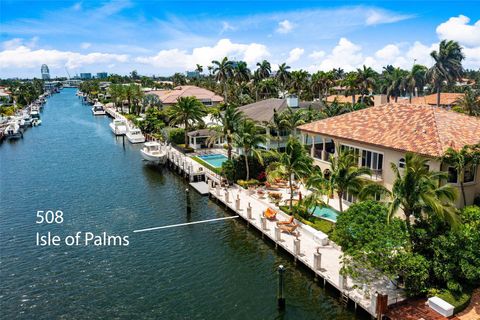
(309, 246)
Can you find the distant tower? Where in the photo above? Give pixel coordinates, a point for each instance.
(45, 72)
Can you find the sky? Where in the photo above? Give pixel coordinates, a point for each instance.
(164, 37)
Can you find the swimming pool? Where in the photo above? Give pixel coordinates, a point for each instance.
(326, 213)
(215, 160)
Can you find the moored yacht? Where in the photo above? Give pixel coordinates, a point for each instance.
(98, 109)
(12, 131)
(118, 126)
(153, 152)
(134, 135)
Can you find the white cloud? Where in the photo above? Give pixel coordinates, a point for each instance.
(379, 16)
(458, 29)
(24, 57)
(182, 60)
(317, 55)
(388, 52)
(345, 54)
(12, 43)
(85, 45)
(294, 55)
(227, 27)
(285, 26)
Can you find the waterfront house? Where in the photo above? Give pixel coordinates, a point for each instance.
(263, 113)
(382, 135)
(169, 97)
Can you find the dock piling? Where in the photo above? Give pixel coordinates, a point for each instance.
(281, 287)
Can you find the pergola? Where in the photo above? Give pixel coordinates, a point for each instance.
(198, 138)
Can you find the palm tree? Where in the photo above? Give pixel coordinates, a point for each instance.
(223, 71)
(345, 174)
(417, 192)
(459, 160)
(241, 72)
(367, 78)
(276, 125)
(322, 82)
(264, 69)
(448, 65)
(333, 109)
(199, 68)
(290, 119)
(470, 102)
(268, 88)
(247, 137)
(229, 120)
(293, 163)
(283, 76)
(299, 79)
(415, 80)
(187, 110)
(351, 83)
(395, 83)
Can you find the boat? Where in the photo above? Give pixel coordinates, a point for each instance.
(12, 131)
(36, 121)
(153, 152)
(134, 135)
(119, 127)
(97, 109)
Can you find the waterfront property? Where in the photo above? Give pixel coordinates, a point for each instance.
(382, 135)
(263, 112)
(215, 160)
(170, 97)
(200, 138)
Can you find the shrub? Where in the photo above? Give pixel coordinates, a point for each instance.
(176, 135)
(246, 183)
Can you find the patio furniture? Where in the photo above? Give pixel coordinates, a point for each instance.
(270, 214)
(290, 229)
(286, 222)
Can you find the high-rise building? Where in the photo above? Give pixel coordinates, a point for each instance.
(102, 75)
(85, 76)
(45, 72)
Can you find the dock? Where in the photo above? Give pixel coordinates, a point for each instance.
(201, 187)
(308, 246)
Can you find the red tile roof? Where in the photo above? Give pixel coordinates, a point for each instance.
(171, 96)
(446, 99)
(422, 129)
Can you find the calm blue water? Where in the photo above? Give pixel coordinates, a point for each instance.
(326, 213)
(215, 160)
(74, 163)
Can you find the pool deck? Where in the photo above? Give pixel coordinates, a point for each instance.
(310, 247)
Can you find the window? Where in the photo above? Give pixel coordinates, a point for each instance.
(372, 160)
(469, 173)
(452, 175)
(401, 163)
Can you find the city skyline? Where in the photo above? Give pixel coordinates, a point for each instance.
(161, 39)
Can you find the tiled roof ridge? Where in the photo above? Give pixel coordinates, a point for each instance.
(438, 139)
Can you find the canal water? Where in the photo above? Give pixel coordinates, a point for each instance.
(73, 163)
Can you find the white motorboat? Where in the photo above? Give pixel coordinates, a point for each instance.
(36, 122)
(98, 109)
(153, 152)
(12, 131)
(134, 135)
(118, 126)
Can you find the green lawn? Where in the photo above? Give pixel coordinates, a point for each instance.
(459, 301)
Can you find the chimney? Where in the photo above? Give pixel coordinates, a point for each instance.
(292, 101)
(379, 99)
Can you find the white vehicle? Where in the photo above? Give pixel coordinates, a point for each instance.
(36, 122)
(98, 110)
(152, 152)
(119, 127)
(134, 135)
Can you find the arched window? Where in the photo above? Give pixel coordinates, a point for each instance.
(401, 163)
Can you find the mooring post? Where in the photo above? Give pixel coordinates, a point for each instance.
(189, 208)
(217, 190)
(227, 196)
(263, 220)
(296, 247)
(237, 203)
(278, 234)
(281, 287)
(317, 260)
(249, 211)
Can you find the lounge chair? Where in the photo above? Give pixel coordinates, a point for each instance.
(286, 222)
(270, 214)
(290, 229)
